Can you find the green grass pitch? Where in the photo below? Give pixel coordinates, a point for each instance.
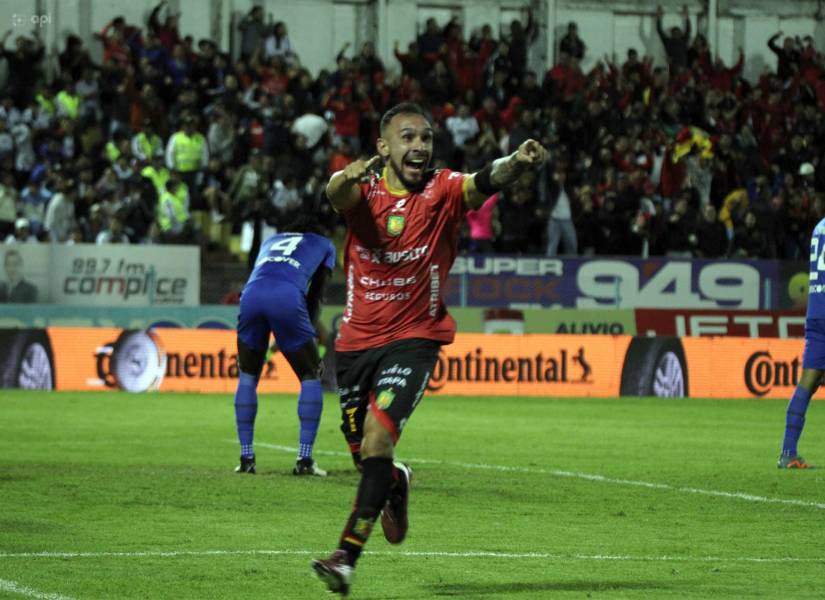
(109, 495)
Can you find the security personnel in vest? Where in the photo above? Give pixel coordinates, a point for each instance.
(68, 102)
(188, 155)
(157, 173)
(147, 143)
(173, 210)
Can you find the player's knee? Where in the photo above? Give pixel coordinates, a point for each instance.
(250, 361)
(811, 379)
(312, 372)
(378, 441)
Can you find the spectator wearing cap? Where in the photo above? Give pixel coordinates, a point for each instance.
(22, 233)
(313, 127)
(807, 172)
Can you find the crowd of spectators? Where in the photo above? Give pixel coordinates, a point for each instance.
(173, 140)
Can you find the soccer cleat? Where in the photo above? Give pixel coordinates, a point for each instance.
(307, 466)
(394, 516)
(792, 462)
(247, 465)
(335, 572)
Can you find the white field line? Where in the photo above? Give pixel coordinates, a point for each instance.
(406, 554)
(15, 588)
(585, 476)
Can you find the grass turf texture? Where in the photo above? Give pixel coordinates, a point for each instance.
(112, 474)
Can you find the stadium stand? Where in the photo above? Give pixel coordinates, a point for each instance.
(171, 139)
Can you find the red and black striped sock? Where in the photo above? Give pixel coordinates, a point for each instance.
(376, 481)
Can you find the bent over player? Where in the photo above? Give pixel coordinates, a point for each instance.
(283, 296)
(402, 239)
(813, 358)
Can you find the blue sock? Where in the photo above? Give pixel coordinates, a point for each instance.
(310, 405)
(795, 420)
(246, 407)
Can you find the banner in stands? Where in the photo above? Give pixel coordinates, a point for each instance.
(89, 274)
(476, 364)
(750, 323)
(498, 281)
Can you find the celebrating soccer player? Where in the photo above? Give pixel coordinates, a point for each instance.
(403, 228)
(813, 358)
(283, 296)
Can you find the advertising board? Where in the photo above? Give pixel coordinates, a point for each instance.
(114, 274)
(476, 364)
(616, 282)
(746, 323)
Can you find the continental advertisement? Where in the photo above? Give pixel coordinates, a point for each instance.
(203, 360)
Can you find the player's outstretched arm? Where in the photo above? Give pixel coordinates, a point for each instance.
(342, 190)
(502, 172)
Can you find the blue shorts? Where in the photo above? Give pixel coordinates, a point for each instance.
(280, 308)
(814, 355)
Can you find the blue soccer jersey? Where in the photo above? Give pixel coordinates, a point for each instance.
(293, 257)
(274, 298)
(816, 285)
(813, 356)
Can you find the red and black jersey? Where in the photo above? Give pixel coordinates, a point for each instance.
(399, 249)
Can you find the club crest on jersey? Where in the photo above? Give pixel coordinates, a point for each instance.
(385, 398)
(395, 225)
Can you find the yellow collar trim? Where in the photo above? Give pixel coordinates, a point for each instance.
(401, 191)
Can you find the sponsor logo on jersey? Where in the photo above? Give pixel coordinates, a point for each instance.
(395, 225)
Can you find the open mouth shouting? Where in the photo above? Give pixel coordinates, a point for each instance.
(413, 167)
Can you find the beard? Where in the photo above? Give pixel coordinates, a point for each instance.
(410, 184)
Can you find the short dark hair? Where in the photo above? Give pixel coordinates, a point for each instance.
(305, 223)
(405, 108)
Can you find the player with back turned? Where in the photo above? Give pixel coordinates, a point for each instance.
(813, 358)
(283, 296)
(402, 238)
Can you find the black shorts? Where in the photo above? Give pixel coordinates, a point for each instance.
(390, 380)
